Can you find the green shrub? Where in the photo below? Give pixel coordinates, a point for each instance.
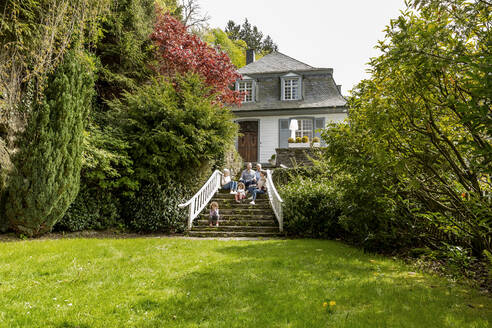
(305, 139)
(291, 140)
(311, 209)
(173, 128)
(283, 176)
(298, 140)
(316, 139)
(91, 210)
(155, 209)
(47, 168)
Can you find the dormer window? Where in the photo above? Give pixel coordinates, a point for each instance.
(291, 87)
(247, 87)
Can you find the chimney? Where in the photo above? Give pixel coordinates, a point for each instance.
(250, 56)
(339, 87)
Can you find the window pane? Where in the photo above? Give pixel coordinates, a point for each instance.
(305, 129)
(291, 89)
(247, 88)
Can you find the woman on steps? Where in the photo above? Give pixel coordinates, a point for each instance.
(227, 183)
(260, 187)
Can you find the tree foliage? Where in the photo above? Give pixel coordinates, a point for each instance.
(47, 167)
(235, 49)
(421, 126)
(34, 36)
(252, 36)
(173, 129)
(181, 52)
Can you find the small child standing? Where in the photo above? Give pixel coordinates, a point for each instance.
(240, 192)
(214, 214)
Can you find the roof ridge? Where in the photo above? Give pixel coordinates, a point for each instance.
(275, 62)
(281, 53)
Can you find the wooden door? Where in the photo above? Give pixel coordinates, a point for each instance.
(248, 141)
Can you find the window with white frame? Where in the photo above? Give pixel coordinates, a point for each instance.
(247, 90)
(291, 88)
(305, 128)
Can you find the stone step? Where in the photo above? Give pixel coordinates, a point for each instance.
(205, 228)
(238, 222)
(230, 205)
(233, 234)
(228, 194)
(235, 216)
(258, 203)
(240, 211)
(246, 201)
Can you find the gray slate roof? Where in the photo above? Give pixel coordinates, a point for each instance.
(274, 62)
(319, 88)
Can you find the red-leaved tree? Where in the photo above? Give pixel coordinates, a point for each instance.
(182, 52)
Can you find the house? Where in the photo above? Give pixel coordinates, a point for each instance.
(277, 90)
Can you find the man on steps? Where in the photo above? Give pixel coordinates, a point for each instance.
(248, 176)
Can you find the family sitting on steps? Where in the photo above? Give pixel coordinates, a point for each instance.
(253, 182)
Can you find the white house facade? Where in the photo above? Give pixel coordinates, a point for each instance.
(278, 89)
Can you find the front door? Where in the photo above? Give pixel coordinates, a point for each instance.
(247, 144)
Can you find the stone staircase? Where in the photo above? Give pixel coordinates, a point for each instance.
(238, 220)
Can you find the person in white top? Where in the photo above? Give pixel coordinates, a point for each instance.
(227, 183)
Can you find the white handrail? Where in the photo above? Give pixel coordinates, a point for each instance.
(275, 200)
(198, 202)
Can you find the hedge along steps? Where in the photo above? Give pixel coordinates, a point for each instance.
(238, 219)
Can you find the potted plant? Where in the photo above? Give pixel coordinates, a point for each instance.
(300, 142)
(291, 140)
(316, 142)
(272, 160)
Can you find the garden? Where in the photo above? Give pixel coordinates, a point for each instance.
(114, 112)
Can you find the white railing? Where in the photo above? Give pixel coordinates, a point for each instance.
(198, 202)
(275, 200)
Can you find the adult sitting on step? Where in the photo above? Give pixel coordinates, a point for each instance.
(260, 187)
(256, 179)
(227, 183)
(258, 171)
(248, 177)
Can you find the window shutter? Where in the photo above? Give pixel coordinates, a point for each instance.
(257, 89)
(283, 133)
(303, 96)
(282, 97)
(319, 123)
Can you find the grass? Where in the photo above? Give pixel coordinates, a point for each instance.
(172, 282)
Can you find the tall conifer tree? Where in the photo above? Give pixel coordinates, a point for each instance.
(47, 168)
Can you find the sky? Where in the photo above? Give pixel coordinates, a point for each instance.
(337, 34)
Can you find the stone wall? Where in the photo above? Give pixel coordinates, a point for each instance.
(291, 157)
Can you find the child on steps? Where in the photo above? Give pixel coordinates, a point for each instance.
(240, 192)
(213, 220)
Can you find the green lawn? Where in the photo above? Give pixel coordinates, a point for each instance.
(173, 282)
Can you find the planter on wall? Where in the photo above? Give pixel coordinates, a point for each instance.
(299, 145)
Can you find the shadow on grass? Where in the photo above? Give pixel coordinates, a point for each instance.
(284, 284)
